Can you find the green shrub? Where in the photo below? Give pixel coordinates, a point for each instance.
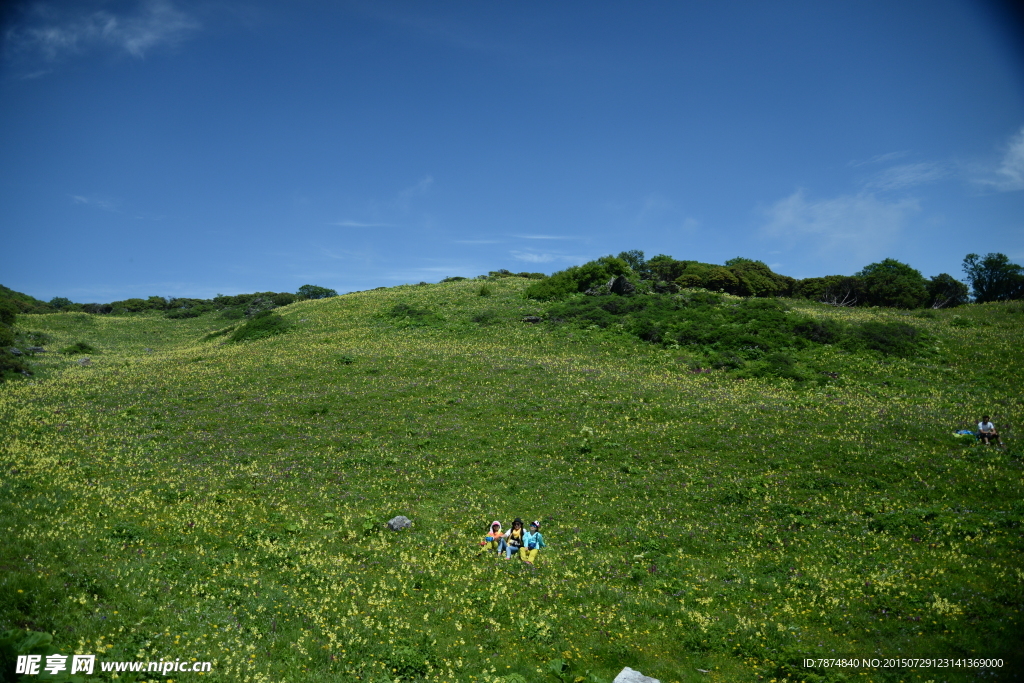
(779, 364)
(485, 290)
(262, 325)
(15, 643)
(11, 366)
(408, 316)
(577, 279)
(994, 277)
(182, 313)
(944, 291)
(819, 331)
(189, 308)
(893, 339)
(455, 278)
(258, 305)
(755, 278)
(487, 317)
(24, 303)
(79, 347)
(130, 305)
(893, 284)
(8, 312)
(839, 290)
(315, 292)
(59, 302)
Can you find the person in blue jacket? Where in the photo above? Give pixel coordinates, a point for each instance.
(532, 543)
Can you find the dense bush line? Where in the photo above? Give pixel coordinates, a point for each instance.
(231, 307)
(888, 283)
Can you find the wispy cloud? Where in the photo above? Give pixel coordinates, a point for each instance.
(54, 32)
(1009, 175)
(907, 175)
(341, 254)
(658, 211)
(358, 224)
(880, 158)
(532, 257)
(104, 204)
(849, 229)
(420, 188)
(545, 237)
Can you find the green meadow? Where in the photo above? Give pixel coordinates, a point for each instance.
(183, 495)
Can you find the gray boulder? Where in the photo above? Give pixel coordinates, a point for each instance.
(14, 352)
(628, 675)
(531, 319)
(36, 349)
(399, 522)
(84, 362)
(620, 285)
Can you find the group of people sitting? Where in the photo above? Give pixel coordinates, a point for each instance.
(517, 541)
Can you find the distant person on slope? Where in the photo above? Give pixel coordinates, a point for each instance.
(987, 431)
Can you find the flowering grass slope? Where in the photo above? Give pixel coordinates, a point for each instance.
(180, 496)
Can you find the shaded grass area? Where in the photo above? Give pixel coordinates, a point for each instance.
(751, 337)
(226, 502)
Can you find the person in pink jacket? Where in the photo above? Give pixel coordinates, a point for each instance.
(493, 539)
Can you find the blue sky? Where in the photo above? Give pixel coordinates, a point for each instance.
(194, 148)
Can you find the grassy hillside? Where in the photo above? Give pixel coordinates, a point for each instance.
(179, 496)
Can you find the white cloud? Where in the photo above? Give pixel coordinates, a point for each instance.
(532, 257)
(54, 33)
(850, 230)
(907, 175)
(1009, 176)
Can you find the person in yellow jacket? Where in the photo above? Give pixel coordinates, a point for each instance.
(532, 543)
(493, 539)
(513, 540)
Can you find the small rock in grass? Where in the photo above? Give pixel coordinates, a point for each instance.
(531, 319)
(84, 362)
(36, 349)
(399, 522)
(628, 675)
